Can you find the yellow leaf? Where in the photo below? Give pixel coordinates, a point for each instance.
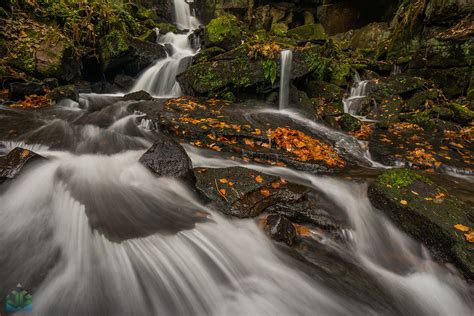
(259, 179)
(461, 227)
(403, 202)
(470, 237)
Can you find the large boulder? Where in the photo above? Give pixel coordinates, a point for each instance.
(18, 90)
(427, 212)
(122, 54)
(223, 31)
(166, 158)
(234, 70)
(243, 192)
(439, 11)
(308, 32)
(15, 161)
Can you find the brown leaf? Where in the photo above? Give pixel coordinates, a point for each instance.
(265, 192)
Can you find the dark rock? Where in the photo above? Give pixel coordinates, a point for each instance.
(166, 158)
(18, 90)
(453, 81)
(15, 161)
(243, 192)
(280, 229)
(122, 54)
(124, 82)
(321, 89)
(137, 96)
(429, 216)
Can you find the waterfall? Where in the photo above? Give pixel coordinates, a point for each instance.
(353, 103)
(285, 76)
(160, 79)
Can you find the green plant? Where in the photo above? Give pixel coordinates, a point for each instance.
(270, 70)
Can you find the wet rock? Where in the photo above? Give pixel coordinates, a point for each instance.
(234, 71)
(122, 54)
(18, 90)
(166, 158)
(262, 19)
(321, 89)
(230, 127)
(427, 212)
(124, 82)
(243, 192)
(137, 96)
(15, 161)
(453, 81)
(280, 229)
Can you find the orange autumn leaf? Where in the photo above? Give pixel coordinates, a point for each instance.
(259, 179)
(461, 227)
(470, 237)
(276, 184)
(223, 180)
(223, 191)
(403, 202)
(265, 192)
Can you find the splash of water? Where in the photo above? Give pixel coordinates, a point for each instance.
(358, 93)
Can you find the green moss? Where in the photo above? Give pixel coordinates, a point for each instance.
(340, 74)
(166, 27)
(222, 27)
(399, 178)
(461, 114)
(208, 79)
(308, 32)
(279, 29)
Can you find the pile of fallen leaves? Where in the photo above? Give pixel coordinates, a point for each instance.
(363, 133)
(32, 102)
(269, 50)
(304, 147)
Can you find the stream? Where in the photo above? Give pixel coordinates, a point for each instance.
(94, 232)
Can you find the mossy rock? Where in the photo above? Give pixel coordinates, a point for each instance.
(420, 100)
(279, 29)
(371, 37)
(427, 212)
(166, 27)
(308, 32)
(223, 31)
(322, 89)
(341, 74)
(349, 123)
(453, 81)
(461, 114)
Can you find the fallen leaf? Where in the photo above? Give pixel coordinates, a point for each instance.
(461, 227)
(223, 191)
(470, 237)
(403, 202)
(259, 179)
(265, 192)
(223, 180)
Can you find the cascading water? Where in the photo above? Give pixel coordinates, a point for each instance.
(160, 79)
(91, 231)
(353, 103)
(285, 76)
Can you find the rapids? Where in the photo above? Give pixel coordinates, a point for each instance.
(91, 231)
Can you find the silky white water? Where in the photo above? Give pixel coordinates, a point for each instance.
(285, 76)
(160, 79)
(352, 104)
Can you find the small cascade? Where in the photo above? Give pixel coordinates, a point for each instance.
(396, 70)
(160, 79)
(285, 76)
(353, 103)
